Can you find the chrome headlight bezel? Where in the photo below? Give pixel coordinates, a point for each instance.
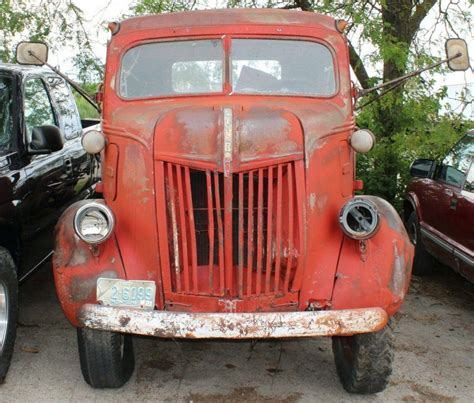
(102, 209)
(370, 218)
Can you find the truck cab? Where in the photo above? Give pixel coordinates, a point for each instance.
(229, 208)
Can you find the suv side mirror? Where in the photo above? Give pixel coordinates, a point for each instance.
(422, 168)
(45, 140)
(457, 46)
(32, 53)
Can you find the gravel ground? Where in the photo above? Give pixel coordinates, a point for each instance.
(434, 357)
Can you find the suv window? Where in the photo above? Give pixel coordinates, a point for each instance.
(69, 115)
(6, 114)
(456, 164)
(469, 184)
(38, 108)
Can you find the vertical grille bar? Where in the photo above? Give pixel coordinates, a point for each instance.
(228, 249)
(240, 246)
(250, 234)
(192, 228)
(268, 269)
(278, 243)
(220, 232)
(299, 202)
(183, 227)
(259, 231)
(210, 231)
(163, 240)
(290, 226)
(174, 224)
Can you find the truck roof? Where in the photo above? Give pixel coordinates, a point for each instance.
(24, 69)
(200, 18)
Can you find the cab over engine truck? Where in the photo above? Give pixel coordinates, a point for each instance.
(228, 211)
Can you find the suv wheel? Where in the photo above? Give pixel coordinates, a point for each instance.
(8, 310)
(364, 361)
(107, 359)
(423, 262)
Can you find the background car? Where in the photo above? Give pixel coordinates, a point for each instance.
(439, 210)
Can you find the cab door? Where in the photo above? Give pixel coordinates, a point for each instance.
(46, 175)
(80, 164)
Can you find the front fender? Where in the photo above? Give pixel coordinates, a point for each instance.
(76, 266)
(375, 272)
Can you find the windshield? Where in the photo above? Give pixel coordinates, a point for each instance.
(6, 114)
(256, 66)
(172, 68)
(282, 67)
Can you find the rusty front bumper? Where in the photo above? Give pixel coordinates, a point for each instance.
(233, 325)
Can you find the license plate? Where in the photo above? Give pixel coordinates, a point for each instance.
(131, 293)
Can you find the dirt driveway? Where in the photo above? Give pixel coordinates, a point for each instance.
(434, 357)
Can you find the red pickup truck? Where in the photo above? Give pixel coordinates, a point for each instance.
(439, 210)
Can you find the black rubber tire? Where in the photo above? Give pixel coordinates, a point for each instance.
(9, 283)
(423, 262)
(364, 361)
(107, 358)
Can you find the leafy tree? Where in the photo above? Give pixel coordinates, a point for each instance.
(57, 22)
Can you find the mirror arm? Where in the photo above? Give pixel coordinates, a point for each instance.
(406, 76)
(71, 83)
(378, 96)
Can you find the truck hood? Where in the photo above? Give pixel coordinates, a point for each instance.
(207, 136)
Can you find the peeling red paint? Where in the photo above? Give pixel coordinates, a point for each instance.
(230, 203)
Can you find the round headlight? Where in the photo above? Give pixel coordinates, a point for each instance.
(362, 141)
(93, 141)
(359, 219)
(94, 223)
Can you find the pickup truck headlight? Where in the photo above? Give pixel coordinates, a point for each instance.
(359, 219)
(94, 223)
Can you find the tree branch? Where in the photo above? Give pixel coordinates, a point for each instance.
(358, 67)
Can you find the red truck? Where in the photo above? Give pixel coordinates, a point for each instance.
(439, 210)
(228, 211)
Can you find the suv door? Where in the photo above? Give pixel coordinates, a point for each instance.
(442, 197)
(464, 228)
(47, 177)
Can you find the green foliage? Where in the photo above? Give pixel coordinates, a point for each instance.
(86, 110)
(59, 23)
(422, 132)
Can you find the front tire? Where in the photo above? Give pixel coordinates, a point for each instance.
(107, 359)
(423, 262)
(364, 361)
(8, 310)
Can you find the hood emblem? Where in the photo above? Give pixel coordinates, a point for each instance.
(228, 141)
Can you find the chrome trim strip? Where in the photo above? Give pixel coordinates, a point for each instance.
(228, 141)
(456, 252)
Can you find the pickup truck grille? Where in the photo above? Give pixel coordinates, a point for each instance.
(232, 236)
